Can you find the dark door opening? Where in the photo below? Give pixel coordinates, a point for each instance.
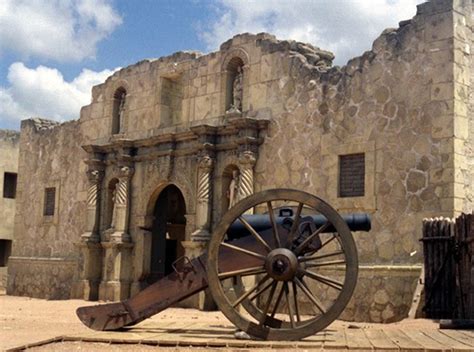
(168, 231)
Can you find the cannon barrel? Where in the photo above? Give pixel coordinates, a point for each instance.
(261, 222)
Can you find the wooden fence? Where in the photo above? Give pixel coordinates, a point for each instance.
(448, 246)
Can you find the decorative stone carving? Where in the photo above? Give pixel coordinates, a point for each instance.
(247, 161)
(203, 201)
(121, 197)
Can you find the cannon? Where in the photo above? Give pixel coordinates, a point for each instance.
(281, 265)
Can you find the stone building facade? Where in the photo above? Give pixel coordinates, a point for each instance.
(9, 148)
(157, 149)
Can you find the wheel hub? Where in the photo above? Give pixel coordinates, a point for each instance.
(281, 264)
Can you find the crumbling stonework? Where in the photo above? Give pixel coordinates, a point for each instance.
(404, 105)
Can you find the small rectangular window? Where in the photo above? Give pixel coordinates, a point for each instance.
(352, 175)
(49, 201)
(9, 185)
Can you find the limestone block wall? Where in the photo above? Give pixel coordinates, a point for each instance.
(397, 104)
(44, 256)
(9, 147)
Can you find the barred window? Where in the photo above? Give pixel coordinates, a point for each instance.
(9, 185)
(352, 175)
(49, 201)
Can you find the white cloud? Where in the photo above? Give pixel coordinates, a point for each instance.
(346, 27)
(64, 30)
(43, 92)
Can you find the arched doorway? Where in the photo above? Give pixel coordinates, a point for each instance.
(168, 231)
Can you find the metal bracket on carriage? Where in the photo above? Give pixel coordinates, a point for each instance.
(185, 269)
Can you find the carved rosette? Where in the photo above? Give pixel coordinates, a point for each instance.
(247, 161)
(204, 179)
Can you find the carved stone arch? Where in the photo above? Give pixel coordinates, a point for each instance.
(235, 60)
(232, 55)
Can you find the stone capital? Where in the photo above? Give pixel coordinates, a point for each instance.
(125, 172)
(205, 163)
(247, 159)
(94, 176)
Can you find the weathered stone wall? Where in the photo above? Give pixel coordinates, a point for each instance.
(404, 104)
(43, 261)
(9, 147)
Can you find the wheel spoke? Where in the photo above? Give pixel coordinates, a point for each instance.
(310, 238)
(295, 299)
(324, 279)
(249, 292)
(231, 246)
(242, 272)
(333, 237)
(277, 302)
(310, 259)
(295, 225)
(302, 285)
(269, 301)
(255, 233)
(290, 306)
(276, 236)
(259, 292)
(331, 262)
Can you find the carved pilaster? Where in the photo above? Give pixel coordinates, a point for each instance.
(93, 198)
(121, 213)
(203, 199)
(89, 245)
(247, 161)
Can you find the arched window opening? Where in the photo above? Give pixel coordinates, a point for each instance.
(118, 110)
(234, 85)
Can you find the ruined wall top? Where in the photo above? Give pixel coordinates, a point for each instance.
(10, 136)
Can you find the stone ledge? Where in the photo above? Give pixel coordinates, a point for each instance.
(43, 260)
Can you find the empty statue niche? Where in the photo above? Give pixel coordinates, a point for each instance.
(171, 101)
(110, 203)
(118, 110)
(234, 85)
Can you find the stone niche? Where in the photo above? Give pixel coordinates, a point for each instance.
(171, 98)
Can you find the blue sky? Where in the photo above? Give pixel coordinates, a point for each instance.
(53, 51)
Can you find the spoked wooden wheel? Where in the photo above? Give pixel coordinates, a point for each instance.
(299, 273)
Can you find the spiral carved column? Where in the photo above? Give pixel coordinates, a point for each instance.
(122, 203)
(88, 286)
(203, 199)
(247, 161)
(116, 278)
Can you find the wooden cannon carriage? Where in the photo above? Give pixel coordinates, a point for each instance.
(281, 265)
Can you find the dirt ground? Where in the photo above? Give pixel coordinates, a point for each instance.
(26, 320)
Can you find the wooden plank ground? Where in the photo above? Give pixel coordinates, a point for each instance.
(380, 340)
(403, 342)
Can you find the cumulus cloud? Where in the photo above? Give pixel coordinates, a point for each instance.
(346, 27)
(44, 92)
(64, 30)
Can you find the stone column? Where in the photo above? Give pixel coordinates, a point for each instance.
(90, 240)
(203, 200)
(247, 161)
(116, 275)
(121, 213)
